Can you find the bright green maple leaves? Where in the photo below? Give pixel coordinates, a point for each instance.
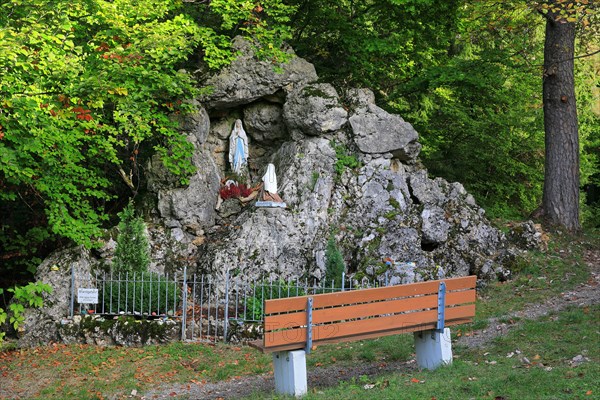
(85, 86)
(88, 90)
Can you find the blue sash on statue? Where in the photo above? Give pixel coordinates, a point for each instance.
(239, 156)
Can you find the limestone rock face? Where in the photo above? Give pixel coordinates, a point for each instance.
(359, 184)
(314, 109)
(360, 97)
(40, 325)
(196, 124)
(247, 79)
(187, 206)
(272, 241)
(191, 205)
(377, 131)
(264, 122)
(387, 213)
(528, 235)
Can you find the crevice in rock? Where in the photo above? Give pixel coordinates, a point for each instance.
(413, 198)
(429, 247)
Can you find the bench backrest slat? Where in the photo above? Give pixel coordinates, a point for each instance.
(343, 315)
(367, 295)
(395, 323)
(364, 310)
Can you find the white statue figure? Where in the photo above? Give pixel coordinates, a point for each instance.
(270, 179)
(270, 198)
(238, 148)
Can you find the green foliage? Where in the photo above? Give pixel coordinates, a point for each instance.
(465, 74)
(88, 91)
(587, 75)
(334, 263)
(590, 215)
(375, 43)
(29, 296)
(3, 316)
(265, 290)
(476, 131)
(344, 159)
(145, 292)
(474, 127)
(265, 22)
(133, 248)
(21, 249)
(87, 88)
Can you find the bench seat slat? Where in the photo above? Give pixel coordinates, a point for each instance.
(355, 328)
(258, 344)
(326, 315)
(367, 295)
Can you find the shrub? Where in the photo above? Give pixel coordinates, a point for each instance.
(265, 290)
(334, 263)
(133, 249)
(144, 293)
(30, 295)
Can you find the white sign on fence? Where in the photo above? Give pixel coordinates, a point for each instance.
(87, 296)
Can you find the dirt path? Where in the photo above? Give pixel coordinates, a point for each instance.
(584, 295)
(317, 378)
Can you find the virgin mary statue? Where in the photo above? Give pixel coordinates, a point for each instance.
(238, 148)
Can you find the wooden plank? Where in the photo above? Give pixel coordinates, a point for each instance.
(374, 335)
(291, 320)
(345, 312)
(366, 326)
(367, 295)
(366, 336)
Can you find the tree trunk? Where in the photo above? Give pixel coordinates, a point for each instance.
(560, 202)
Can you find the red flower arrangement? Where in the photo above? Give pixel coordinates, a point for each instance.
(235, 191)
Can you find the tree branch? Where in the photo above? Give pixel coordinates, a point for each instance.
(24, 94)
(546, 16)
(127, 179)
(572, 58)
(584, 55)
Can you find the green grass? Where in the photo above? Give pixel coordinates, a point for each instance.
(385, 349)
(536, 278)
(549, 344)
(88, 372)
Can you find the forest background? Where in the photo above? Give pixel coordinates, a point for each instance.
(87, 89)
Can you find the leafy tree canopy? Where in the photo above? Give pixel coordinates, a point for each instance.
(87, 89)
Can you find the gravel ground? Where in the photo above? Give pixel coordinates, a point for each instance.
(319, 377)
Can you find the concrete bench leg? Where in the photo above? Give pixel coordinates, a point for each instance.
(290, 372)
(433, 348)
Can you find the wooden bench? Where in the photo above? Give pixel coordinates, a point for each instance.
(294, 326)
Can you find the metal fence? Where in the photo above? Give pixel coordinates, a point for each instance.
(207, 309)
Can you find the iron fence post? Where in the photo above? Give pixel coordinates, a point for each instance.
(226, 315)
(72, 306)
(184, 301)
